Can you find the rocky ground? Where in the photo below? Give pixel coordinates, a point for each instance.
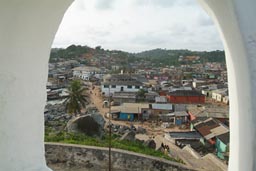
(60, 167)
(55, 117)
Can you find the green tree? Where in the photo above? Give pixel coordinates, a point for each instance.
(98, 48)
(141, 94)
(76, 99)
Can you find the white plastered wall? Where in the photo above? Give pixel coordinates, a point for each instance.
(235, 20)
(26, 34)
(27, 29)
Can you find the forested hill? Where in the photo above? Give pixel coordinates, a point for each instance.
(172, 56)
(72, 51)
(156, 56)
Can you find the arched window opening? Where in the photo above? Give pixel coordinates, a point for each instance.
(185, 46)
(28, 29)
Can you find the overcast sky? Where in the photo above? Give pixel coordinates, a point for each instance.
(137, 25)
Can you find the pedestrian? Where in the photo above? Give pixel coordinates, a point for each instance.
(165, 151)
(166, 147)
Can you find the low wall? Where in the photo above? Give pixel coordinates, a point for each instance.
(216, 160)
(96, 158)
(192, 151)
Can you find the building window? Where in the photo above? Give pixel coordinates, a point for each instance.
(113, 86)
(137, 87)
(106, 86)
(129, 86)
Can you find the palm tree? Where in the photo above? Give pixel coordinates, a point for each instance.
(76, 99)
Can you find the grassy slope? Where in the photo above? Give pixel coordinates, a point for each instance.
(137, 147)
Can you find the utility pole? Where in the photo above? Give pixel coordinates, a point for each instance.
(110, 129)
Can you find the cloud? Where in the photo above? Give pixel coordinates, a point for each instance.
(137, 25)
(188, 3)
(150, 38)
(204, 20)
(165, 3)
(104, 4)
(161, 3)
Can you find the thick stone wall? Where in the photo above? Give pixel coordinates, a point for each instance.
(96, 158)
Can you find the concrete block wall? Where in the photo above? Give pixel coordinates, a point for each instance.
(96, 158)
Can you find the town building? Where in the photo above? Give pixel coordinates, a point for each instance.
(85, 72)
(124, 97)
(209, 128)
(219, 94)
(222, 146)
(160, 99)
(198, 111)
(175, 118)
(151, 96)
(177, 136)
(185, 96)
(119, 83)
(158, 108)
(131, 111)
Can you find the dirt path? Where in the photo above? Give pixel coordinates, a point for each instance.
(152, 128)
(96, 99)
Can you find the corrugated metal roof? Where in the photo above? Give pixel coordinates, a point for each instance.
(133, 107)
(130, 95)
(162, 106)
(185, 93)
(185, 135)
(124, 83)
(221, 112)
(210, 128)
(86, 68)
(161, 99)
(224, 138)
(204, 130)
(181, 113)
(219, 130)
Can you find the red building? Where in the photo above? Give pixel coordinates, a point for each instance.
(163, 92)
(185, 96)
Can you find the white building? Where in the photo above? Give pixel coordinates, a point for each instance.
(225, 100)
(85, 72)
(173, 88)
(160, 99)
(197, 83)
(218, 94)
(119, 83)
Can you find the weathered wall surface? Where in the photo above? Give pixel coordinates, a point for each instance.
(96, 158)
(27, 30)
(235, 20)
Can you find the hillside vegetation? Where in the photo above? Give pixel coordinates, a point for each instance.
(155, 56)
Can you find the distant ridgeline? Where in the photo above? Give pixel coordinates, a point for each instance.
(155, 56)
(177, 57)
